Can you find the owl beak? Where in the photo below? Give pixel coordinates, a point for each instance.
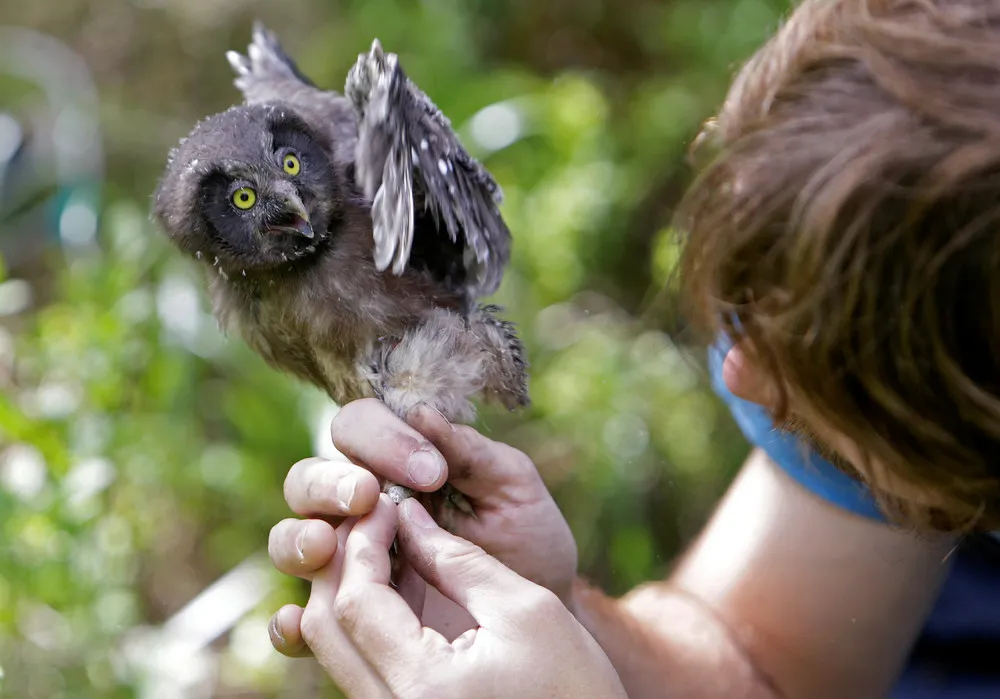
(295, 218)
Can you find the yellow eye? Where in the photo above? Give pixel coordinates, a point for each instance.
(291, 164)
(244, 198)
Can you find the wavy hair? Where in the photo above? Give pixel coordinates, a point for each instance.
(846, 226)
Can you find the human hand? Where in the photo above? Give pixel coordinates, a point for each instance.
(525, 642)
(516, 519)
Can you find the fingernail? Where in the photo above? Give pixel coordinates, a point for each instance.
(300, 543)
(422, 412)
(274, 631)
(417, 411)
(424, 467)
(345, 490)
(418, 515)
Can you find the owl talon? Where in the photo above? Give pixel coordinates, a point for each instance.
(456, 500)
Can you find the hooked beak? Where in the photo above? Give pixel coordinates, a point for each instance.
(294, 218)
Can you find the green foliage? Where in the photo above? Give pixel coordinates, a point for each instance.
(142, 454)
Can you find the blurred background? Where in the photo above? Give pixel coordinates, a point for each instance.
(142, 454)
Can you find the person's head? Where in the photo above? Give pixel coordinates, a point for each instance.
(845, 231)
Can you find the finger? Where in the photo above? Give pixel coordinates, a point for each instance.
(411, 587)
(326, 640)
(286, 633)
(336, 567)
(316, 486)
(285, 628)
(301, 547)
(379, 622)
(478, 466)
(479, 583)
(370, 434)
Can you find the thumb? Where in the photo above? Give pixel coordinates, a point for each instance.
(463, 572)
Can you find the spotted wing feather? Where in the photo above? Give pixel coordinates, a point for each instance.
(399, 127)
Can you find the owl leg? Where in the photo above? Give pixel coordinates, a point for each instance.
(441, 364)
(449, 495)
(449, 359)
(438, 363)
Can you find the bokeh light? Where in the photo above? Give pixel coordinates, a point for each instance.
(142, 452)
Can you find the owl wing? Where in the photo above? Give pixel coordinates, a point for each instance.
(268, 74)
(410, 164)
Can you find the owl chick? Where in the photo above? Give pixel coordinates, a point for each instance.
(348, 238)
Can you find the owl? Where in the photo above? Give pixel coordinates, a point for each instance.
(349, 238)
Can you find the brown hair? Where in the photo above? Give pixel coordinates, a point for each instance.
(847, 228)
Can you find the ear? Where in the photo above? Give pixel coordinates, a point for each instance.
(745, 380)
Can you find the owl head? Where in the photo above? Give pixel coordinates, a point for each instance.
(251, 188)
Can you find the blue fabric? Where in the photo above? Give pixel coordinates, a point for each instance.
(966, 615)
(808, 468)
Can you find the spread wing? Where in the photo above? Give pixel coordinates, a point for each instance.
(410, 163)
(266, 72)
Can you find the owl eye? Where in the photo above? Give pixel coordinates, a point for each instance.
(244, 198)
(291, 164)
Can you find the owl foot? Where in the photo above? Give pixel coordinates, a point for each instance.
(449, 502)
(397, 493)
